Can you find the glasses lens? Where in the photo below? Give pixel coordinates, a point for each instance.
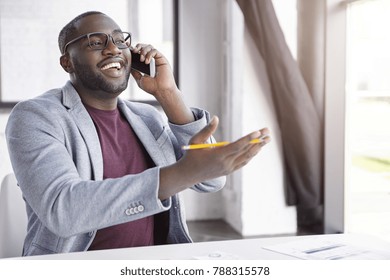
(122, 39)
(97, 41)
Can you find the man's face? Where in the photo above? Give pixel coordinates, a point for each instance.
(105, 70)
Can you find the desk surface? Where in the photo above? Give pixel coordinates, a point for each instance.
(231, 249)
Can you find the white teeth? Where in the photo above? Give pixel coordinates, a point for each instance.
(116, 65)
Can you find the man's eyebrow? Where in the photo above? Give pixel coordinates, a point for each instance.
(116, 30)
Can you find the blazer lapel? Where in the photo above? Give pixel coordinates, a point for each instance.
(144, 135)
(87, 129)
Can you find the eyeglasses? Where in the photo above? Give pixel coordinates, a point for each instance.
(99, 40)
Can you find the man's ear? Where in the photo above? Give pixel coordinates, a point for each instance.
(66, 63)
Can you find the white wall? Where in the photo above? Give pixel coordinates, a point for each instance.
(217, 72)
(200, 81)
(264, 209)
(5, 164)
(255, 198)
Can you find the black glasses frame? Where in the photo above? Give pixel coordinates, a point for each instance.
(109, 36)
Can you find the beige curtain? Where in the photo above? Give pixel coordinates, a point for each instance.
(299, 121)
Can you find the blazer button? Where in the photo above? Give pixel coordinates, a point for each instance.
(141, 208)
(128, 211)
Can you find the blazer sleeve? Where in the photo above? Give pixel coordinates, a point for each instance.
(66, 203)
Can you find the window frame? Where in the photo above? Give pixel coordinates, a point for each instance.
(335, 116)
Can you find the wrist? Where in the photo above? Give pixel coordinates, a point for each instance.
(167, 94)
(174, 106)
(173, 180)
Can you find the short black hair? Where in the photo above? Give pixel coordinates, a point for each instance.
(69, 30)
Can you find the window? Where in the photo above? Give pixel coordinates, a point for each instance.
(367, 117)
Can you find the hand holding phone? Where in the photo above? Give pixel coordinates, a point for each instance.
(136, 64)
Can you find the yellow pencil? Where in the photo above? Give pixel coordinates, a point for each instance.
(218, 144)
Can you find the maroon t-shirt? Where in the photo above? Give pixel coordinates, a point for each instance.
(123, 154)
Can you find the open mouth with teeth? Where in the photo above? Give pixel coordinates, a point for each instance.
(114, 65)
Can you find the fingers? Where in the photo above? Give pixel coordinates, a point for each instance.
(265, 132)
(222, 160)
(242, 151)
(243, 144)
(146, 52)
(243, 158)
(203, 135)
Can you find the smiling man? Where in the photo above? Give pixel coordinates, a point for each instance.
(99, 172)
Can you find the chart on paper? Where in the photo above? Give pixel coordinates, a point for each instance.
(323, 249)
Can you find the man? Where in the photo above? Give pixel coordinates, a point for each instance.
(98, 172)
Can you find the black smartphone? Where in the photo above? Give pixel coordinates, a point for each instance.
(148, 69)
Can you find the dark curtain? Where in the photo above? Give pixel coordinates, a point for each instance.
(300, 123)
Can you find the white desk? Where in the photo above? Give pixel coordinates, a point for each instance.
(243, 248)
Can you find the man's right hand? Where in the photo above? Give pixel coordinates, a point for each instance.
(204, 164)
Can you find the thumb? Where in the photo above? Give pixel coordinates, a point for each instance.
(203, 135)
(137, 77)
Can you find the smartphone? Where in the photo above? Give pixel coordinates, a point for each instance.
(148, 69)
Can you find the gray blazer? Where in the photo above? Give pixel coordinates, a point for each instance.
(56, 156)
